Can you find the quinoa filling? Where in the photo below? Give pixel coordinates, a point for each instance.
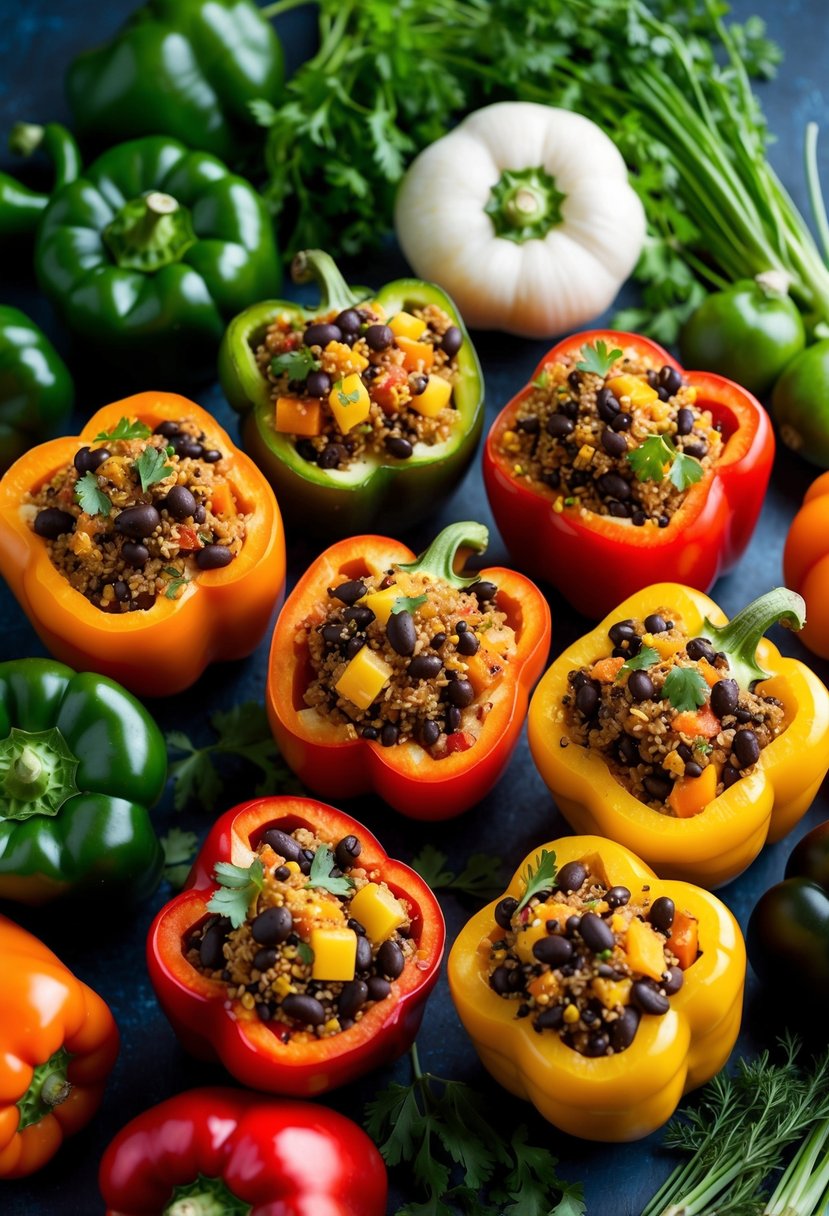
(355, 383)
(588, 960)
(139, 514)
(619, 437)
(313, 941)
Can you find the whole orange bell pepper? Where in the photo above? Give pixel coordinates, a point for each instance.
(222, 613)
(627, 1095)
(58, 1043)
(806, 564)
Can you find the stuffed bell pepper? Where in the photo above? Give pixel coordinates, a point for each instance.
(144, 548)
(682, 735)
(299, 955)
(36, 389)
(20, 207)
(81, 761)
(399, 675)
(614, 469)
(598, 991)
(223, 1152)
(58, 1044)
(367, 407)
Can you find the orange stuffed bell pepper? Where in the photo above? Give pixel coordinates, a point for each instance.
(598, 991)
(144, 548)
(398, 675)
(806, 563)
(681, 735)
(58, 1043)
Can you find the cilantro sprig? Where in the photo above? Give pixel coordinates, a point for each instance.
(296, 364)
(345, 398)
(597, 358)
(238, 888)
(320, 875)
(656, 453)
(480, 877)
(646, 658)
(91, 497)
(151, 467)
(179, 850)
(538, 878)
(685, 688)
(176, 579)
(407, 603)
(124, 429)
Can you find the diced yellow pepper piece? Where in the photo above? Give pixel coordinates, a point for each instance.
(404, 325)
(382, 602)
(350, 403)
(645, 950)
(639, 391)
(363, 678)
(525, 939)
(298, 415)
(378, 911)
(612, 993)
(335, 954)
(434, 398)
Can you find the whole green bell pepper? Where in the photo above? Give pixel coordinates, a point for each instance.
(800, 404)
(80, 762)
(378, 489)
(36, 390)
(20, 207)
(186, 68)
(151, 252)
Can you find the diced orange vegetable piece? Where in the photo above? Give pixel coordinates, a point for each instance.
(384, 388)
(221, 496)
(645, 950)
(638, 390)
(709, 673)
(703, 723)
(299, 416)
(483, 668)
(188, 539)
(417, 356)
(664, 647)
(546, 984)
(691, 795)
(606, 670)
(684, 939)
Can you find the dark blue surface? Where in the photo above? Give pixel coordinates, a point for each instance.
(37, 41)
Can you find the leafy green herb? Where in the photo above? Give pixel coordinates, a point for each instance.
(441, 1130)
(304, 953)
(542, 380)
(151, 467)
(320, 875)
(179, 850)
(479, 877)
(646, 657)
(702, 745)
(347, 398)
(243, 734)
(91, 497)
(407, 603)
(176, 579)
(685, 471)
(537, 879)
(124, 429)
(685, 688)
(650, 459)
(597, 358)
(295, 363)
(237, 891)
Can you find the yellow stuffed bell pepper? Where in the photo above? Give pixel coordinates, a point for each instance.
(626, 1092)
(695, 782)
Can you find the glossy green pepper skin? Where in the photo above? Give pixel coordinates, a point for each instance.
(800, 404)
(149, 254)
(749, 333)
(788, 932)
(186, 68)
(81, 761)
(388, 492)
(20, 207)
(36, 390)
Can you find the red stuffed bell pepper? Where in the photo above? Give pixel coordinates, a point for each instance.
(614, 469)
(398, 675)
(222, 1152)
(299, 955)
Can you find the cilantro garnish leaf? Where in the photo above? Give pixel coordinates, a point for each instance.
(480, 876)
(304, 953)
(238, 888)
(597, 358)
(151, 467)
(176, 580)
(407, 603)
(91, 497)
(347, 398)
(179, 850)
(650, 459)
(296, 364)
(124, 429)
(537, 879)
(542, 380)
(320, 875)
(685, 688)
(702, 745)
(685, 471)
(646, 657)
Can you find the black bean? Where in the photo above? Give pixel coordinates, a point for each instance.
(304, 1009)
(570, 409)
(622, 422)
(587, 699)
(378, 988)
(307, 451)
(418, 383)
(200, 514)
(499, 981)
(613, 443)
(460, 693)
(138, 522)
(670, 379)
(87, 459)
(318, 384)
(188, 448)
(629, 647)
(349, 592)
(628, 749)
(369, 732)
(401, 633)
(550, 1018)
(211, 455)
(640, 686)
(122, 591)
(639, 518)
(213, 557)
(619, 510)
(661, 914)
(168, 429)
(659, 785)
(389, 734)
(553, 950)
(571, 876)
(332, 634)
(359, 929)
(623, 1029)
(504, 911)
(179, 502)
(320, 334)
(617, 897)
(452, 341)
(390, 960)
(597, 1045)
(596, 934)
(530, 426)
(701, 648)
(607, 405)
(280, 873)
(282, 844)
(647, 997)
(558, 426)
(361, 616)
(746, 748)
(552, 479)
(352, 998)
(437, 641)
(331, 456)
(742, 716)
(655, 623)
(363, 958)
(663, 393)
(697, 449)
(730, 775)
(397, 446)
(264, 959)
(684, 752)
(425, 667)
(349, 321)
(453, 719)
(211, 953)
(674, 981)
(134, 554)
(483, 591)
(572, 925)
(725, 696)
(347, 851)
(272, 926)
(692, 769)
(379, 337)
(684, 422)
(52, 523)
(429, 733)
(663, 521)
(622, 631)
(611, 485)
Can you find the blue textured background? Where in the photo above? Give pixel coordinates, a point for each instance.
(37, 41)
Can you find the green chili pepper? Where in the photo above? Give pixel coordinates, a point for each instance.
(152, 251)
(36, 390)
(20, 207)
(81, 760)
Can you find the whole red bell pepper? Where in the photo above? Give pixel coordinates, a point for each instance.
(405, 775)
(596, 561)
(223, 1152)
(211, 1026)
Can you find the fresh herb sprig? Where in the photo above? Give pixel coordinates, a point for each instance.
(91, 497)
(176, 579)
(646, 658)
(295, 363)
(151, 467)
(124, 429)
(685, 688)
(656, 453)
(480, 877)
(179, 850)
(238, 888)
(538, 878)
(407, 603)
(320, 874)
(597, 358)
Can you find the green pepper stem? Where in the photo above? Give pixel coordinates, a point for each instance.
(49, 1087)
(37, 773)
(206, 1197)
(440, 558)
(739, 639)
(315, 264)
(524, 204)
(58, 144)
(149, 232)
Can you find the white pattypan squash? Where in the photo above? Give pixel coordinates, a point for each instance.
(524, 214)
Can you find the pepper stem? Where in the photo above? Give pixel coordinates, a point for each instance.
(48, 1088)
(525, 204)
(315, 264)
(55, 141)
(37, 773)
(206, 1197)
(739, 639)
(150, 232)
(441, 557)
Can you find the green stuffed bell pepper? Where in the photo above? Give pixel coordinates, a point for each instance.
(36, 390)
(363, 410)
(80, 763)
(186, 68)
(21, 207)
(148, 255)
